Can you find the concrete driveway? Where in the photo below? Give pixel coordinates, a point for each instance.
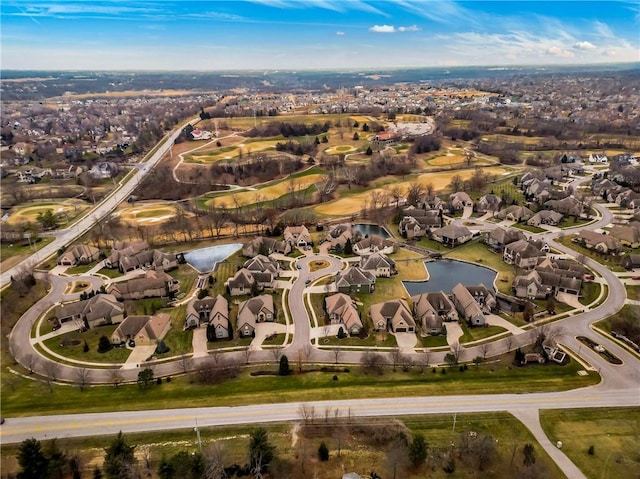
(199, 343)
(454, 331)
(406, 342)
(138, 355)
(267, 329)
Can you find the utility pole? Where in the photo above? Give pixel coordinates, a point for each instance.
(453, 430)
(197, 430)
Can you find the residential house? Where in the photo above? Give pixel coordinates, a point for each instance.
(498, 238)
(79, 254)
(152, 284)
(631, 261)
(355, 280)
(628, 199)
(341, 309)
(247, 282)
(429, 202)
(143, 330)
(483, 296)
(467, 306)
(522, 253)
(96, 311)
(545, 217)
(374, 244)
(379, 264)
(131, 256)
(515, 213)
(417, 226)
(255, 310)
(208, 310)
(339, 234)
(393, 315)
(297, 236)
(597, 158)
(628, 235)
(105, 170)
(597, 241)
(489, 203)
(426, 315)
(262, 264)
(460, 200)
(452, 235)
(569, 206)
(266, 246)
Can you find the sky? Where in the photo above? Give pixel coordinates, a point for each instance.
(313, 34)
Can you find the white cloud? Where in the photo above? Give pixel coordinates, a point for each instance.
(412, 28)
(559, 52)
(340, 34)
(383, 29)
(393, 29)
(584, 46)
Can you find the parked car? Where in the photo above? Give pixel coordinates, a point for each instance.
(307, 281)
(635, 277)
(298, 266)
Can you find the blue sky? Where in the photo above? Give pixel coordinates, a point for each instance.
(313, 34)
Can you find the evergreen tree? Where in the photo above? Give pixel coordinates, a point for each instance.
(284, 366)
(145, 378)
(529, 455)
(261, 451)
(323, 452)
(104, 344)
(418, 450)
(118, 458)
(369, 151)
(348, 247)
(32, 460)
(356, 137)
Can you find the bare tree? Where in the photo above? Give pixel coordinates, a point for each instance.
(307, 351)
(327, 413)
(484, 349)
(423, 360)
(51, 370)
(214, 461)
(184, 362)
(372, 363)
(246, 353)
(216, 356)
(397, 458)
(406, 362)
(307, 413)
(337, 351)
(115, 377)
(276, 353)
(82, 376)
(30, 362)
(458, 351)
(395, 358)
(508, 342)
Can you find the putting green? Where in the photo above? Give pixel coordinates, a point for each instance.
(29, 213)
(338, 149)
(146, 214)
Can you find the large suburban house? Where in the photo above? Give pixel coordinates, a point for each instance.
(627, 235)
(208, 310)
(498, 238)
(417, 225)
(262, 264)
(374, 244)
(515, 213)
(339, 234)
(437, 301)
(452, 235)
(545, 217)
(631, 261)
(341, 309)
(247, 282)
(152, 284)
(99, 310)
(483, 296)
(255, 310)
(460, 200)
(79, 254)
(522, 253)
(599, 242)
(569, 206)
(379, 264)
(489, 203)
(137, 255)
(426, 315)
(144, 330)
(297, 236)
(548, 278)
(467, 306)
(266, 246)
(355, 280)
(393, 315)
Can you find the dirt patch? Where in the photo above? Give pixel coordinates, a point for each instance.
(66, 343)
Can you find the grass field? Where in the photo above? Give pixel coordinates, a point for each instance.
(65, 210)
(231, 152)
(268, 192)
(148, 213)
(26, 396)
(410, 265)
(354, 202)
(633, 292)
(606, 260)
(358, 451)
(92, 337)
(614, 434)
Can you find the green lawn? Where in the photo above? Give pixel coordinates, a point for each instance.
(187, 277)
(229, 343)
(633, 292)
(498, 377)
(10, 250)
(110, 273)
(432, 341)
(476, 334)
(590, 292)
(526, 227)
(80, 269)
(380, 339)
(613, 433)
(92, 337)
(479, 253)
(610, 262)
(177, 339)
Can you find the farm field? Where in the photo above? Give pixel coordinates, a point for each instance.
(355, 202)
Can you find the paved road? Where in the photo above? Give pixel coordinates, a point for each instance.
(76, 425)
(106, 206)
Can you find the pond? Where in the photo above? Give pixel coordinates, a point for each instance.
(368, 230)
(445, 274)
(205, 259)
